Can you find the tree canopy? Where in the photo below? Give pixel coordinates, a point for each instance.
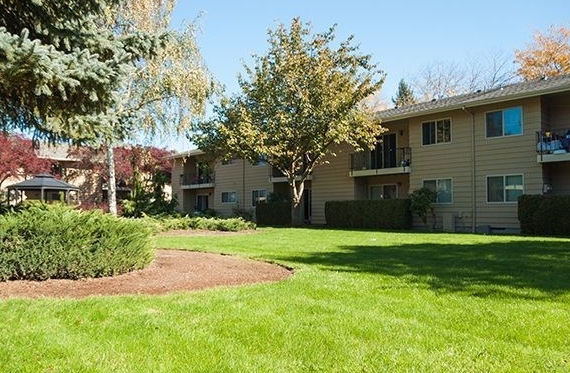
(548, 55)
(304, 96)
(60, 70)
(18, 158)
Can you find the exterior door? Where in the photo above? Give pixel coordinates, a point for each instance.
(201, 202)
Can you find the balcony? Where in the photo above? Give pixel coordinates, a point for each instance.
(381, 162)
(553, 146)
(193, 181)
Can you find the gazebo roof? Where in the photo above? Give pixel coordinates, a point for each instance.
(43, 181)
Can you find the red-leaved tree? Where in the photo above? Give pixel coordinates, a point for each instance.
(18, 158)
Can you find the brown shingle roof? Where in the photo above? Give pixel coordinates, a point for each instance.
(529, 88)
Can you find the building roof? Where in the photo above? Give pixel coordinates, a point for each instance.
(187, 153)
(531, 88)
(43, 181)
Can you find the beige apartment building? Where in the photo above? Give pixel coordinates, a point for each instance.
(478, 151)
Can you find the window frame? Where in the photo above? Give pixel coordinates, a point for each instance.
(228, 200)
(503, 122)
(255, 200)
(504, 188)
(383, 191)
(437, 182)
(435, 123)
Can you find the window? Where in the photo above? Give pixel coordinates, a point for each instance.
(436, 132)
(443, 188)
(258, 195)
(507, 122)
(504, 188)
(389, 191)
(229, 197)
(261, 160)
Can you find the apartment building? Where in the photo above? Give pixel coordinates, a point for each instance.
(478, 151)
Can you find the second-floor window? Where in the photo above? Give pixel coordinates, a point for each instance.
(443, 188)
(229, 197)
(436, 132)
(506, 122)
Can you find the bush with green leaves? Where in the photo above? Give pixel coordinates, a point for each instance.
(546, 215)
(381, 214)
(168, 223)
(42, 241)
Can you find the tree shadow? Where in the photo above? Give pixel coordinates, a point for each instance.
(519, 269)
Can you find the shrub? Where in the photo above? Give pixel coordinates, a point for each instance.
(273, 213)
(168, 223)
(384, 214)
(55, 241)
(544, 215)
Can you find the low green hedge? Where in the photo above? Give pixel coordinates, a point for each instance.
(382, 214)
(545, 215)
(276, 214)
(168, 223)
(56, 241)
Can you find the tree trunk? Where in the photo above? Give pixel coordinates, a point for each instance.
(296, 189)
(111, 182)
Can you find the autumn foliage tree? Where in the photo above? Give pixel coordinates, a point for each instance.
(18, 158)
(547, 56)
(298, 101)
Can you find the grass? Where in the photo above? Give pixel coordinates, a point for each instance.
(359, 301)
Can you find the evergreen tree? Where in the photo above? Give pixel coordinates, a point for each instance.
(404, 96)
(60, 70)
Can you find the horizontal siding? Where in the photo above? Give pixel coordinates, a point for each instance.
(331, 182)
(229, 178)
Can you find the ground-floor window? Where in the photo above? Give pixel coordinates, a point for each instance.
(386, 191)
(504, 188)
(443, 188)
(258, 195)
(229, 197)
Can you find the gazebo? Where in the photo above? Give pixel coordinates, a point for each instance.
(43, 187)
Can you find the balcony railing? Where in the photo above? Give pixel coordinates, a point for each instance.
(194, 181)
(378, 162)
(553, 146)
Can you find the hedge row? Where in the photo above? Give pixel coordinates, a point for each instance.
(275, 214)
(383, 214)
(164, 224)
(55, 241)
(544, 215)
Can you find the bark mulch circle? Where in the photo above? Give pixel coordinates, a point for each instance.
(171, 271)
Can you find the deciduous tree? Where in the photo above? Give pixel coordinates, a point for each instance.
(166, 90)
(548, 55)
(18, 158)
(299, 100)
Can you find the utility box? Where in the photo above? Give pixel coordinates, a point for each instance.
(448, 222)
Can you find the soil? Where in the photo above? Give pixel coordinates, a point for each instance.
(171, 271)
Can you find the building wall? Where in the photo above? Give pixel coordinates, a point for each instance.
(470, 158)
(331, 182)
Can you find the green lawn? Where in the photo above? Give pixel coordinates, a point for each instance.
(359, 301)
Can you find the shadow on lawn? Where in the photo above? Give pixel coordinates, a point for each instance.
(494, 269)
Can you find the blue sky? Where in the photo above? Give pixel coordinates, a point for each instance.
(403, 36)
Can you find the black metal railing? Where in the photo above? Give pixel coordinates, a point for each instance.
(194, 179)
(379, 159)
(553, 142)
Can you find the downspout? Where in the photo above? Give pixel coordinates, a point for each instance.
(473, 173)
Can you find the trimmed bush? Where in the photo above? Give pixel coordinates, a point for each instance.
(545, 215)
(382, 214)
(168, 223)
(277, 214)
(55, 241)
